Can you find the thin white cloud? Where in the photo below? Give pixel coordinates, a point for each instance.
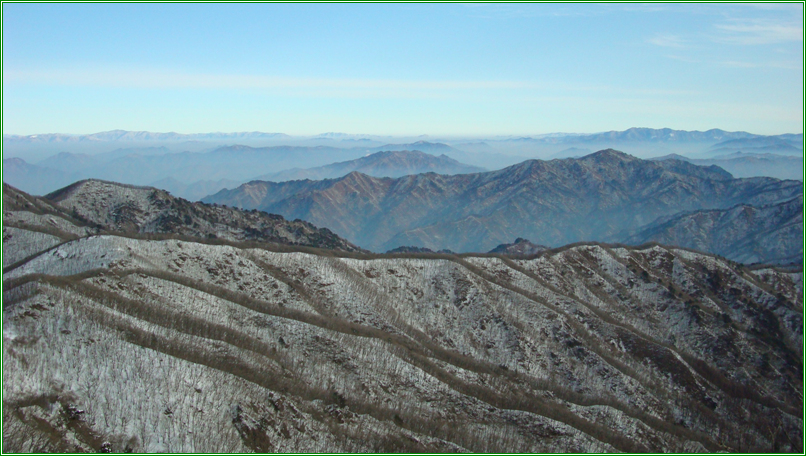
(697, 9)
(671, 41)
(787, 65)
(737, 64)
(770, 6)
(317, 87)
(682, 58)
(155, 79)
(520, 11)
(759, 31)
(646, 8)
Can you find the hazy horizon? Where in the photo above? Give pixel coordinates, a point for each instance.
(424, 136)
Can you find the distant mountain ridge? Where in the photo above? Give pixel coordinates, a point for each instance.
(380, 164)
(143, 158)
(422, 146)
(195, 190)
(124, 135)
(636, 134)
(33, 179)
(631, 134)
(229, 165)
(793, 141)
(554, 202)
(744, 164)
(234, 163)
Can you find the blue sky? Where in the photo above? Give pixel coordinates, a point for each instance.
(402, 69)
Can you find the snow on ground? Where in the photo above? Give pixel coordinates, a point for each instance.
(183, 341)
(43, 220)
(19, 244)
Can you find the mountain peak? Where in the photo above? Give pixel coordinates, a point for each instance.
(95, 186)
(671, 157)
(357, 176)
(423, 146)
(399, 153)
(521, 247)
(233, 147)
(386, 163)
(610, 154)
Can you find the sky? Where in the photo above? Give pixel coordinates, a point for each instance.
(402, 69)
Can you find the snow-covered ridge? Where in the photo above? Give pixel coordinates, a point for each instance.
(188, 347)
(109, 207)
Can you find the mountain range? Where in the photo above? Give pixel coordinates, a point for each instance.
(784, 144)
(392, 163)
(631, 134)
(140, 136)
(190, 163)
(114, 341)
(34, 179)
(191, 174)
(747, 164)
(668, 135)
(605, 196)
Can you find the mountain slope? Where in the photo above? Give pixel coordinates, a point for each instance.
(230, 162)
(783, 142)
(128, 345)
(233, 163)
(422, 146)
(749, 234)
(33, 178)
(379, 164)
(32, 225)
(745, 164)
(195, 190)
(128, 209)
(553, 203)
